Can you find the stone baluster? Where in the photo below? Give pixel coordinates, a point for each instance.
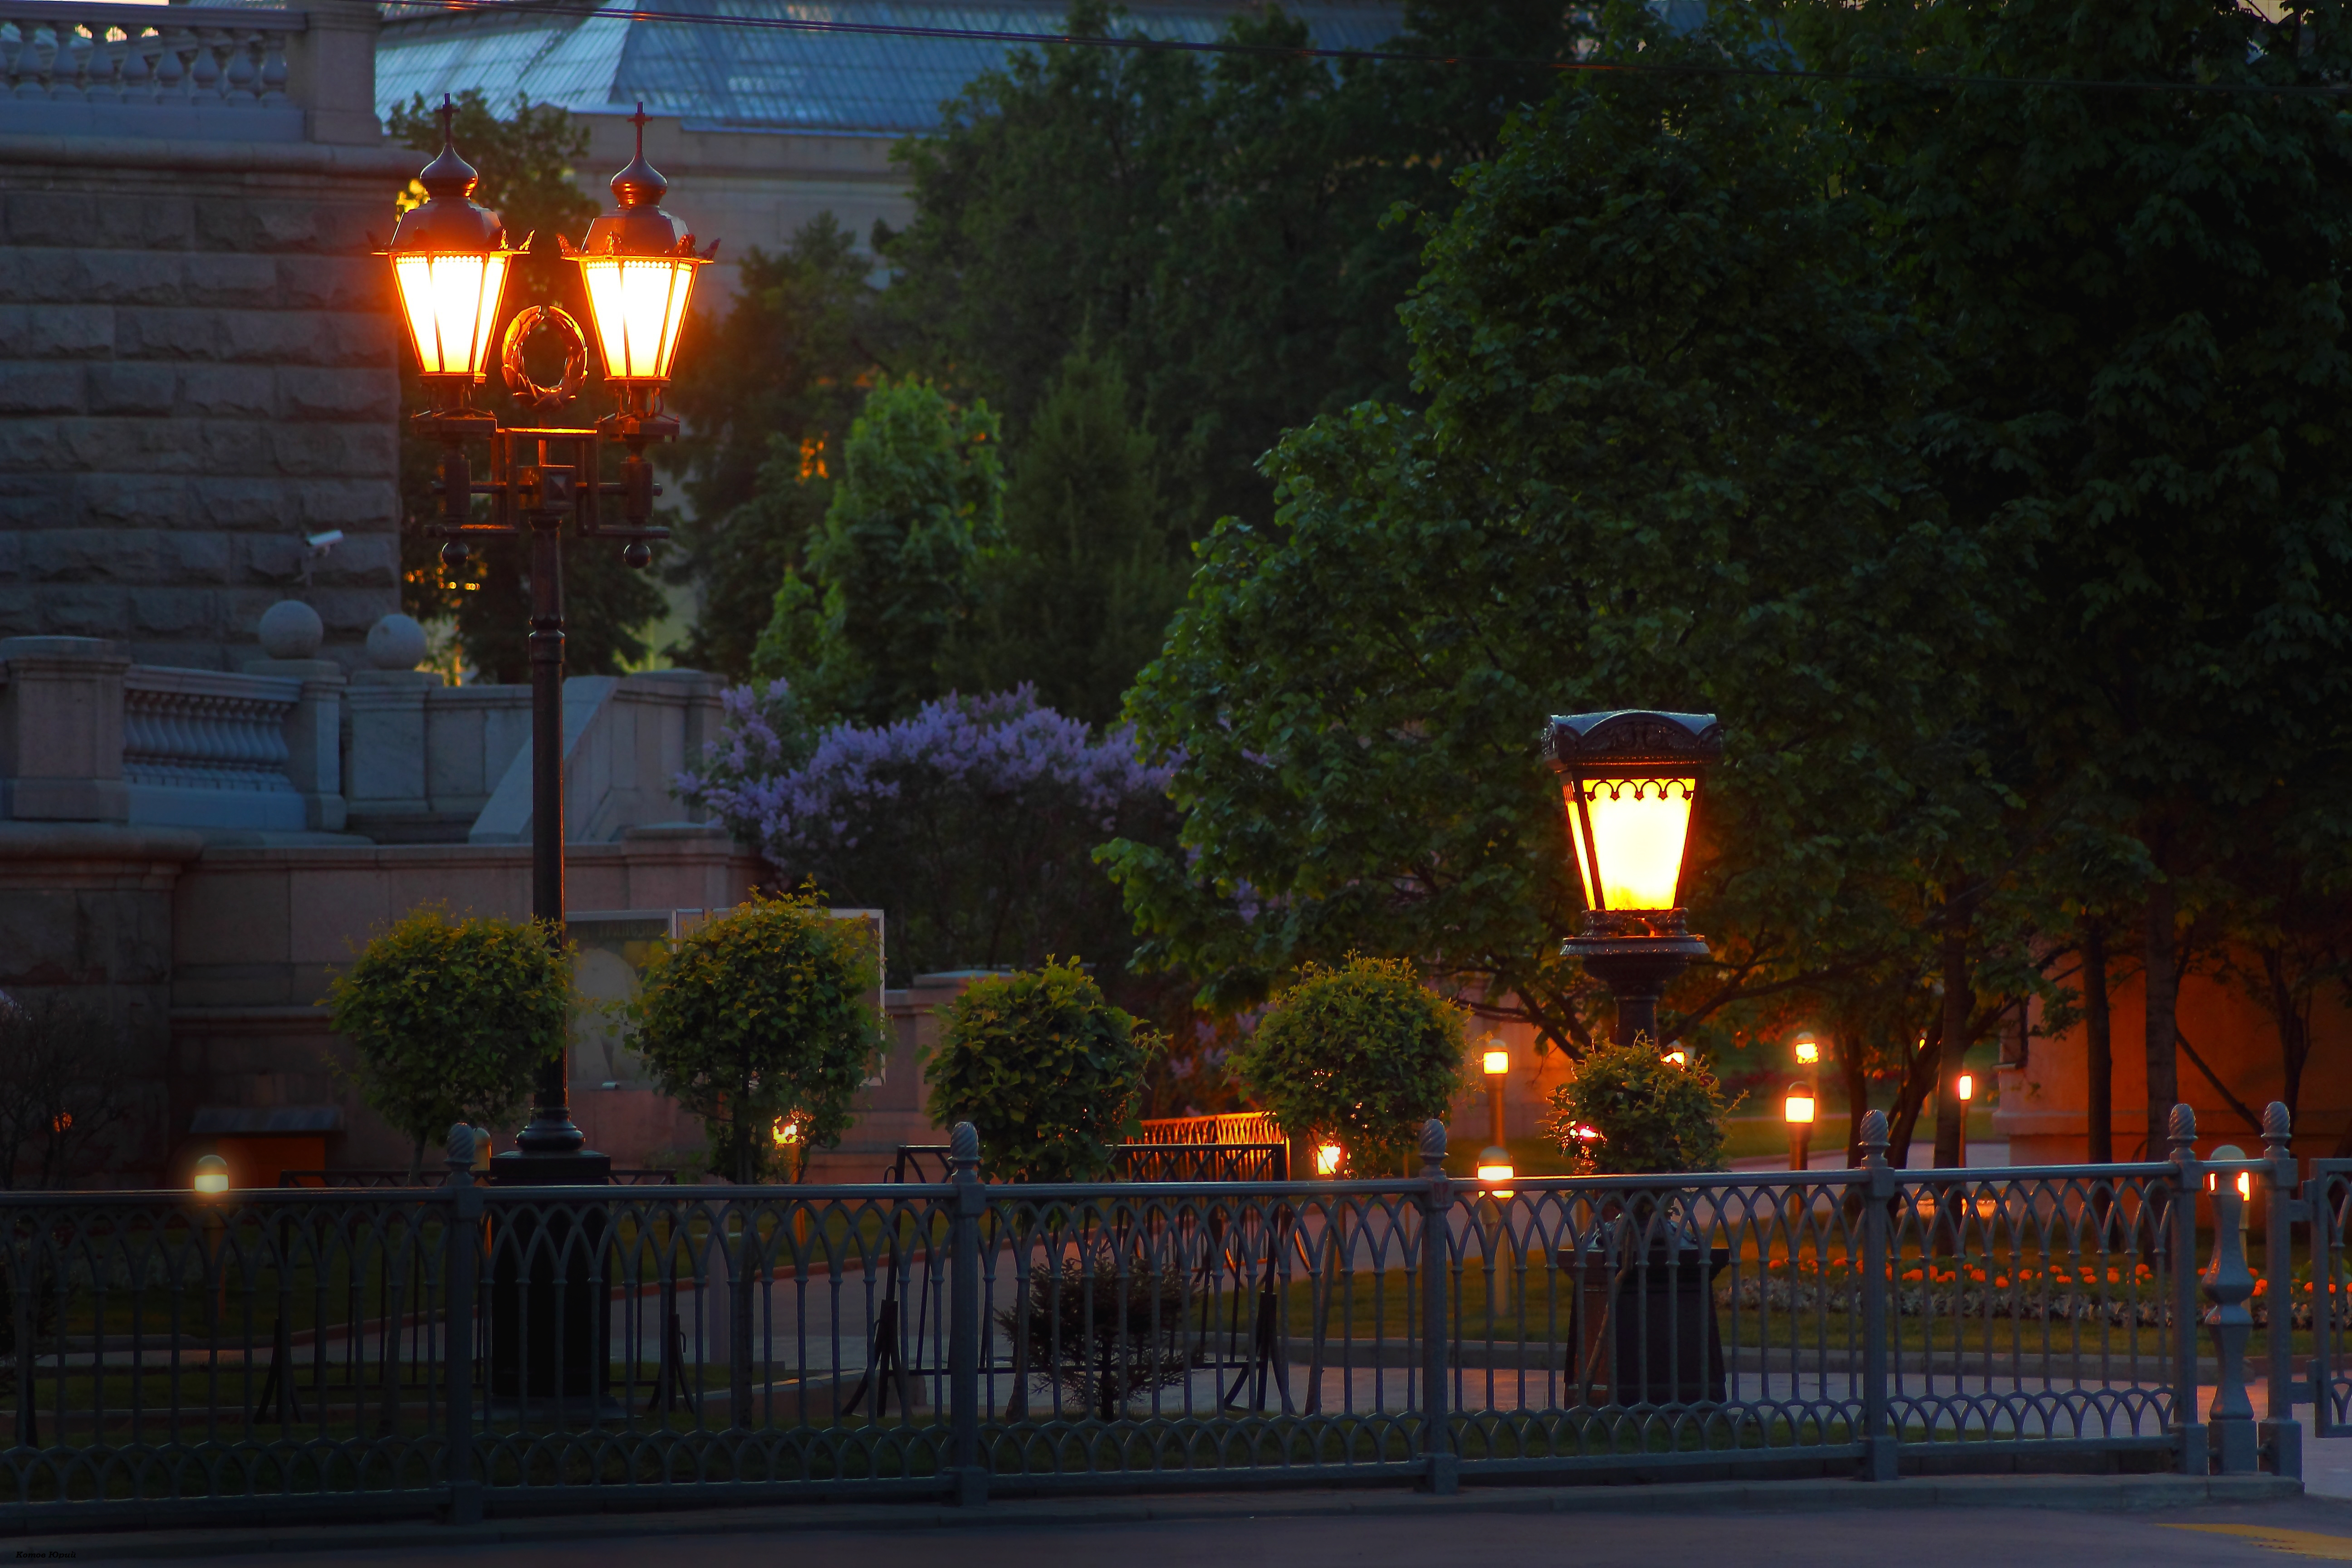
(72, 76)
(204, 71)
(242, 71)
(171, 75)
(274, 72)
(39, 46)
(138, 67)
(2230, 1419)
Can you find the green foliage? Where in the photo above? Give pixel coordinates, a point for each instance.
(1078, 600)
(1661, 465)
(1046, 1070)
(765, 1016)
(892, 580)
(451, 1018)
(1361, 1056)
(525, 159)
(767, 391)
(1215, 226)
(1652, 1116)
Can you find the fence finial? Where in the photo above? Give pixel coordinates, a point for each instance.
(963, 1150)
(461, 1154)
(2276, 1128)
(2184, 1129)
(1874, 1139)
(1432, 1149)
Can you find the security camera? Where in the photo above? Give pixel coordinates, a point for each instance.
(334, 536)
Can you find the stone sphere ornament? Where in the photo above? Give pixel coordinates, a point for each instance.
(291, 629)
(395, 642)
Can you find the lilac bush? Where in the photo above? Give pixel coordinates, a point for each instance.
(972, 823)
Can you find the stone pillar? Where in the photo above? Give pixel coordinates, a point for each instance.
(314, 737)
(335, 73)
(61, 730)
(389, 747)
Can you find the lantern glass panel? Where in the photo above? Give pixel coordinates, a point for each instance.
(1639, 828)
(637, 303)
(451, 303)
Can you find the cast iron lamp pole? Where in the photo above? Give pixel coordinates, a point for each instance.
(450, 259)
(1632, 781)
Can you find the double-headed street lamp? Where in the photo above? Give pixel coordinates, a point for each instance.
(450, 259)
(1633, 780)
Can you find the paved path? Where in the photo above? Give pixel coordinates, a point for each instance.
(1398, 1531)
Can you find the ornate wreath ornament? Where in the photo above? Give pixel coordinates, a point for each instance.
(544, 318)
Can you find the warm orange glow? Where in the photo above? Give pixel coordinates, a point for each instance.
(451, 304)
(1327, 1159)
(1799, 1106)
(1808, 1053)
(2246, 1185)
(1968, 1086)
(1497, 1063)
(212, 1175)
(787, 1131)
(637, 303)
(1680, 1057)
(1639, 827)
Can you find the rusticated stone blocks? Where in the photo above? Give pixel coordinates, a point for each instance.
(197, 370)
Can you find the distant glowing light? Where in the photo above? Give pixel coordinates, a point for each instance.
(1327, 1159)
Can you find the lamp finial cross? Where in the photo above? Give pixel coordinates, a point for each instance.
(638, 119)
(448, 118)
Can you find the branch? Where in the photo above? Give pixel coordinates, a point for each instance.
(2240, 1106)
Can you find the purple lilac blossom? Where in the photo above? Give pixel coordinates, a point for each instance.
(1001, 744)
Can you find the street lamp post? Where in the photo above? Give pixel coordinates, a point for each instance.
(1632, 780)
(1797, 1111)
(450, 259)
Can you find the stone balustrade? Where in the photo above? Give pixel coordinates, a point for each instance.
(201, 729)
(209, 72)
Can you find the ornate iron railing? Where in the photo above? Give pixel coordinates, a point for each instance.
(461, 1350)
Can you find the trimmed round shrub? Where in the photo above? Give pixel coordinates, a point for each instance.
(1629, 1111)
(1047, 1071)
(1360, 1056)
(763, 1024)
(452, 1019)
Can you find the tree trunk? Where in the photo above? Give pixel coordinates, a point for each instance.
(1919, 1077)
(2163, 996)
(2099, 1039)
(1959, 994)
(1852, 1072)
(2293, 1025)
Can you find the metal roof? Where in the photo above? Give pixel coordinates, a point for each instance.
(768, 78)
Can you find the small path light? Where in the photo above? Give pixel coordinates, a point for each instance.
(1328, 1157)
(212, 1177)
(1797, 1111)
(1631, 782)
(1497, 1063)
(1808, 1053)
(1966, 1087)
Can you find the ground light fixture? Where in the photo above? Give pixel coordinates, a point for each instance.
(547, 482)
(212, 1177)
(1496, 1061)
(1797, 1111)
(1631, 782)
(1964, 1086)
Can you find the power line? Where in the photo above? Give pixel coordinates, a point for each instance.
(1146, 44)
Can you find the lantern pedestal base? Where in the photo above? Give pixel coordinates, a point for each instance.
(1637, 969)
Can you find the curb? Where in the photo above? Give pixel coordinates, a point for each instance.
(2079, 1493)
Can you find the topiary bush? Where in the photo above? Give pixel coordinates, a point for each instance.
(1630, 1112)
(764, 1016)
(1046, 1070)
(452, 1018)
(1360, 1056)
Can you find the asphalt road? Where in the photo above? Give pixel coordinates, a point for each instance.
(2302, 1528)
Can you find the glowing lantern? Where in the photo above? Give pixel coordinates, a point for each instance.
(449, 258)
(1327, 1159)
(1798, 1108)
(638, 266)
(212, 1175)
(1497, 1063)
(1808, 1053)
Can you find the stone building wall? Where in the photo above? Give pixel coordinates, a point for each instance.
(197, 371)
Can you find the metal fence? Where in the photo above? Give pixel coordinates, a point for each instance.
(463, 1350)
(1130, 1162)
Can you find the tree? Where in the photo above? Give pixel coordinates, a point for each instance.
(892, 580)
(1628, 1110)
(970, 822)
(2138, 293)
(763, 1024)
(527, 178)
(1362, 1056)
(1661, 465)
(1215, 228)
(1078, 600)
(68, 1088)
(767, 394)
(451, 1018)
(1044, 1068)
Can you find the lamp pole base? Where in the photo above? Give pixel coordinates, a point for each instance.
(1637, 956)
